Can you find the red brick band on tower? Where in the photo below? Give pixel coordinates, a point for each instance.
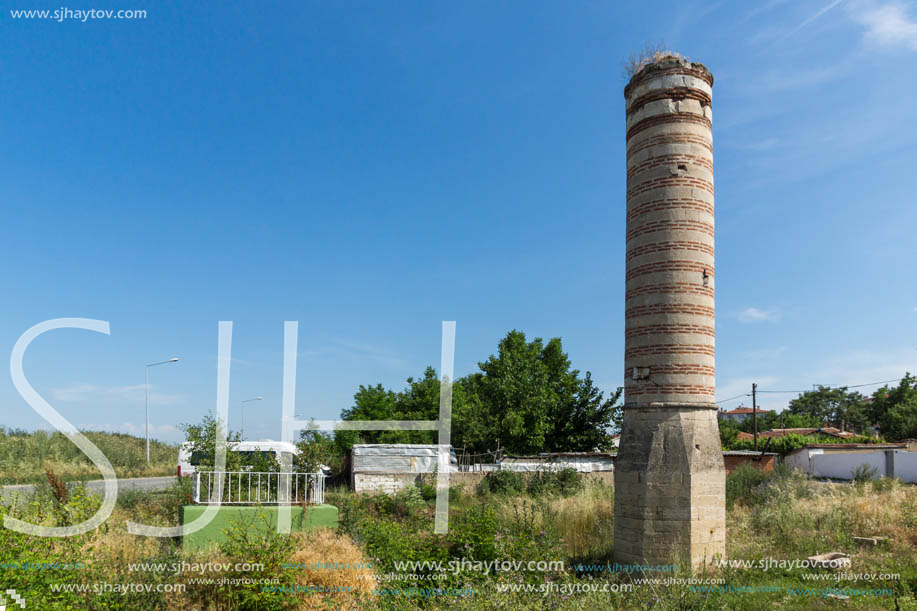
(669, 310)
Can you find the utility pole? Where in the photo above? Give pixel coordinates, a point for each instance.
(754, 411)
(174, 359)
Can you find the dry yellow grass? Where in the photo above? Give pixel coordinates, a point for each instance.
(117, 547)
(322, 547)
(584, 521)
(580, 518)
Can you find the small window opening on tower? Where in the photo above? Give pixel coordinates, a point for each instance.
(640, 373)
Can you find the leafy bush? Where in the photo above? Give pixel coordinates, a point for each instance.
(864, 473)
(884, 484)
(741, 483)
(405, 504)
(529, 534)
(428, 492)
(565, 482)
(388, 541)
(570, 481)
(472, 534)
(504, 482)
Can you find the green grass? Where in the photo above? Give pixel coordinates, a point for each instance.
(24, 457)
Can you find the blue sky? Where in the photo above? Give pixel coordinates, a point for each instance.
(372, 169)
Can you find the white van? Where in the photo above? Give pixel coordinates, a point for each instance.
(188, 460)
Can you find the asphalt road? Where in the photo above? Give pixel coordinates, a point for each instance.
(98, 486)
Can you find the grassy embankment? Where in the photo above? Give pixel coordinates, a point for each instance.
(781, 516)
(24, 456)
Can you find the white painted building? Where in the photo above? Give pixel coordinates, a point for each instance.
(840, 461)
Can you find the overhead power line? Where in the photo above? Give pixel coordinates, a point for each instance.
(804, 391)
(732, 398)
(838, 386)
(874, 383)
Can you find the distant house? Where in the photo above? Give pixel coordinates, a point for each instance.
(841, 461)
(741, 413)
(615, 441)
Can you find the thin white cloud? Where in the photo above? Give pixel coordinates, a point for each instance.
(753, 315)
(761, 8)
(776, 81)
(359, 350)
(888, 25)
(817, 15)
(763, 145)
(108, 394)
(864, 366)
(774, 33)
(72, 393)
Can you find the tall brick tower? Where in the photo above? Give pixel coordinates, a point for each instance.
(669, 476)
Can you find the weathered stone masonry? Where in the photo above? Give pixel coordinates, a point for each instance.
(669, 474)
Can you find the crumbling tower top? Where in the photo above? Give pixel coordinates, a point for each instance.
(665, 65)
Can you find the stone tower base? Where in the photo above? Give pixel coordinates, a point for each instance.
(670, 487)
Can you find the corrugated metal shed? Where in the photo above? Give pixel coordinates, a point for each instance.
(396, 458)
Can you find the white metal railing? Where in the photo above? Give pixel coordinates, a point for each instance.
(258, 487)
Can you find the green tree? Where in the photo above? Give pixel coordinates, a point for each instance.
(832, 406)
(316, 449)
(202, 438)
(900, 422)
(895, 409)
(582, 422)
(474, 427)
(729, 432)
(516, 388)
(369, 403)
(539, 403)
(419, 400)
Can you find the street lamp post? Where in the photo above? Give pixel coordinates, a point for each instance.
(258, 398)
(174, 359)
